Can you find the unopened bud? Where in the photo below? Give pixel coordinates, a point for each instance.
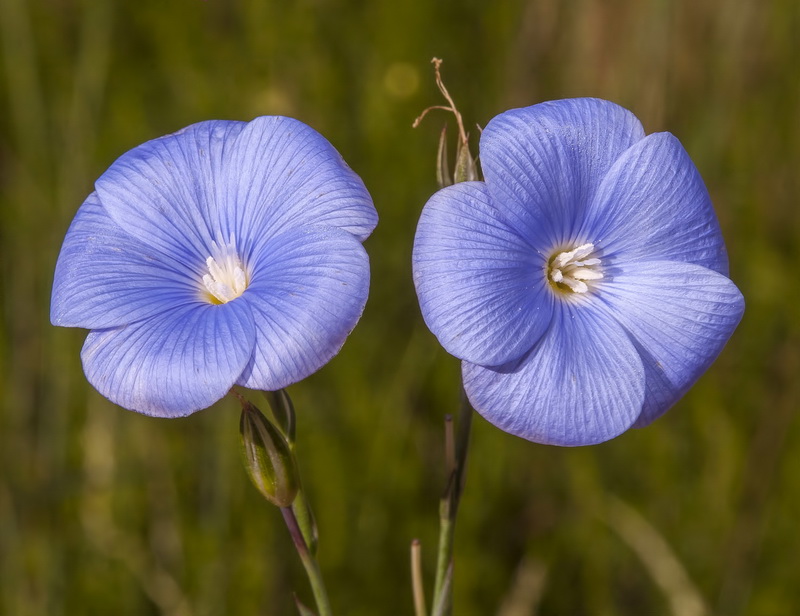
(267, 457)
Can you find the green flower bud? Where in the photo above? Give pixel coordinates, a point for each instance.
(267, 457)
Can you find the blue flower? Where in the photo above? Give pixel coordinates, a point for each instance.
(584, 283)
(226, 253)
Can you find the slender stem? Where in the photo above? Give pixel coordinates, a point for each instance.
(309, 562)
(450, 462)
(456, 442)
(443, 605)
(305, 520)
(462, 441)
(444, 556)
(457, 448)
(416, 579)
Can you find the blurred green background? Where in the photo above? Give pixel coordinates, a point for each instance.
(103, 511)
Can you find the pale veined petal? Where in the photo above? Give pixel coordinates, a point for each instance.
(281, 173)
(308, 289)
(105, 278)
(166, 192)
(173, 364)
(582, 384)
(482, 288)
(679, 316)
(543, 164)
(653, 206)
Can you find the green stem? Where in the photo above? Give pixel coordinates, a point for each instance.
(305, 520)
(448, 508)
(447, 529)
(309, 562)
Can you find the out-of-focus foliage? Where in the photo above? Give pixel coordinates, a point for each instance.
(103, 511)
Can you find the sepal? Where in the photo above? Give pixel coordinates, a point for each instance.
(283, 413)
(466, 167)
(443, 166)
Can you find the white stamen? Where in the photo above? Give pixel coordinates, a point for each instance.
(226, 279)
(576, 286)
(584, 273)
(570, 268)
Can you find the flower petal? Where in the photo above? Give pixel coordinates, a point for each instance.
(308, 289)
(251, 181)
(172, 364)
(582, 384)
(283, 174)
(543, 164)
(481, 287)
(680, 317)
(653, 206)
(105, 278)
(166, 192)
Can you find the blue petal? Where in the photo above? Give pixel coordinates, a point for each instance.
(216, 180)
(653, 205)
(582, 384)
(283, 174)
(173, 364)
(166, 192)
(680, 316)
(105, 278)
(481, 287)
(543, 164)
(308, 289)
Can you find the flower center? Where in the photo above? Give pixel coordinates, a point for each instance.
(569, 271)
(226, 279)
